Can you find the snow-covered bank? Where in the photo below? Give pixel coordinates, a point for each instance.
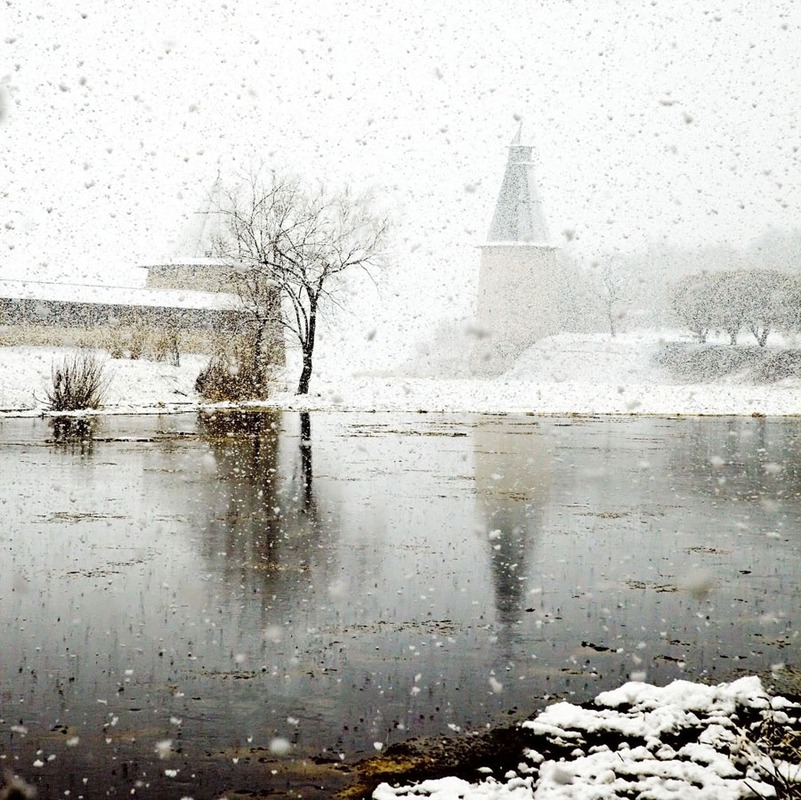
(685, 740)
(566, 374)
(134, 385)
(531, 397)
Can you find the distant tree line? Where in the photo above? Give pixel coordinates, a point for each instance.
(752, 300)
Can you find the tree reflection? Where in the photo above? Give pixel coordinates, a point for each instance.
(743, 458)
(263, 510)
(307, 475)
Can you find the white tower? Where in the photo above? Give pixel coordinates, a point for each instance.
(520, 283)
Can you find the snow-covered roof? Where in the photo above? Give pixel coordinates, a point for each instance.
(540, 245)
(187, 262)
(115, 295)
(518, 212)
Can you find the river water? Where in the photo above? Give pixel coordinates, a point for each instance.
(199, 605)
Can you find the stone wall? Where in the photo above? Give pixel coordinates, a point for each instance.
(72, 314)
(129, 331)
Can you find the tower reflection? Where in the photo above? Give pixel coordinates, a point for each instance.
(512, 474)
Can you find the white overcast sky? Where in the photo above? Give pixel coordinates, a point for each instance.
(651, 120)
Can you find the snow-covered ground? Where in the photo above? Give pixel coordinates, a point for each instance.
(565, 374)
(134, 386)
(684, 741)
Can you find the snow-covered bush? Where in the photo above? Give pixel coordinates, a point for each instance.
(79, 382)
(781, 365)
(702, 363)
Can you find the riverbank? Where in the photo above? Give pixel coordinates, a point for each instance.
(566, 374)
(729, 742)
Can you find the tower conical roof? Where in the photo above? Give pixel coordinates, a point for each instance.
(518, 213)
(204, 225)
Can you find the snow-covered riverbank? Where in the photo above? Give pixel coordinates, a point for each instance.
(566, 374)
(684, 740)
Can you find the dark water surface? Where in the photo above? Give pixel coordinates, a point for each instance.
(343, 580)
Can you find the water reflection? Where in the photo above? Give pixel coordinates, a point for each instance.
(261, 510)
(75, 434)
(745, 458)
(512, 477)
(306, 471)
(344, 579)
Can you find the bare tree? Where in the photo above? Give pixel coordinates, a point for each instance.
(613, 294)
(289, 247)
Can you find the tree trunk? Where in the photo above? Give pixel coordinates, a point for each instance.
(307, 346)
(611, 317)
(258, 355)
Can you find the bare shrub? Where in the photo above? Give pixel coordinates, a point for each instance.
(773, 751)
(79, 383)
(114, 341)
(221, 381)
(137, 344)
(166, 347)
(231, 377)
(113, 337)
